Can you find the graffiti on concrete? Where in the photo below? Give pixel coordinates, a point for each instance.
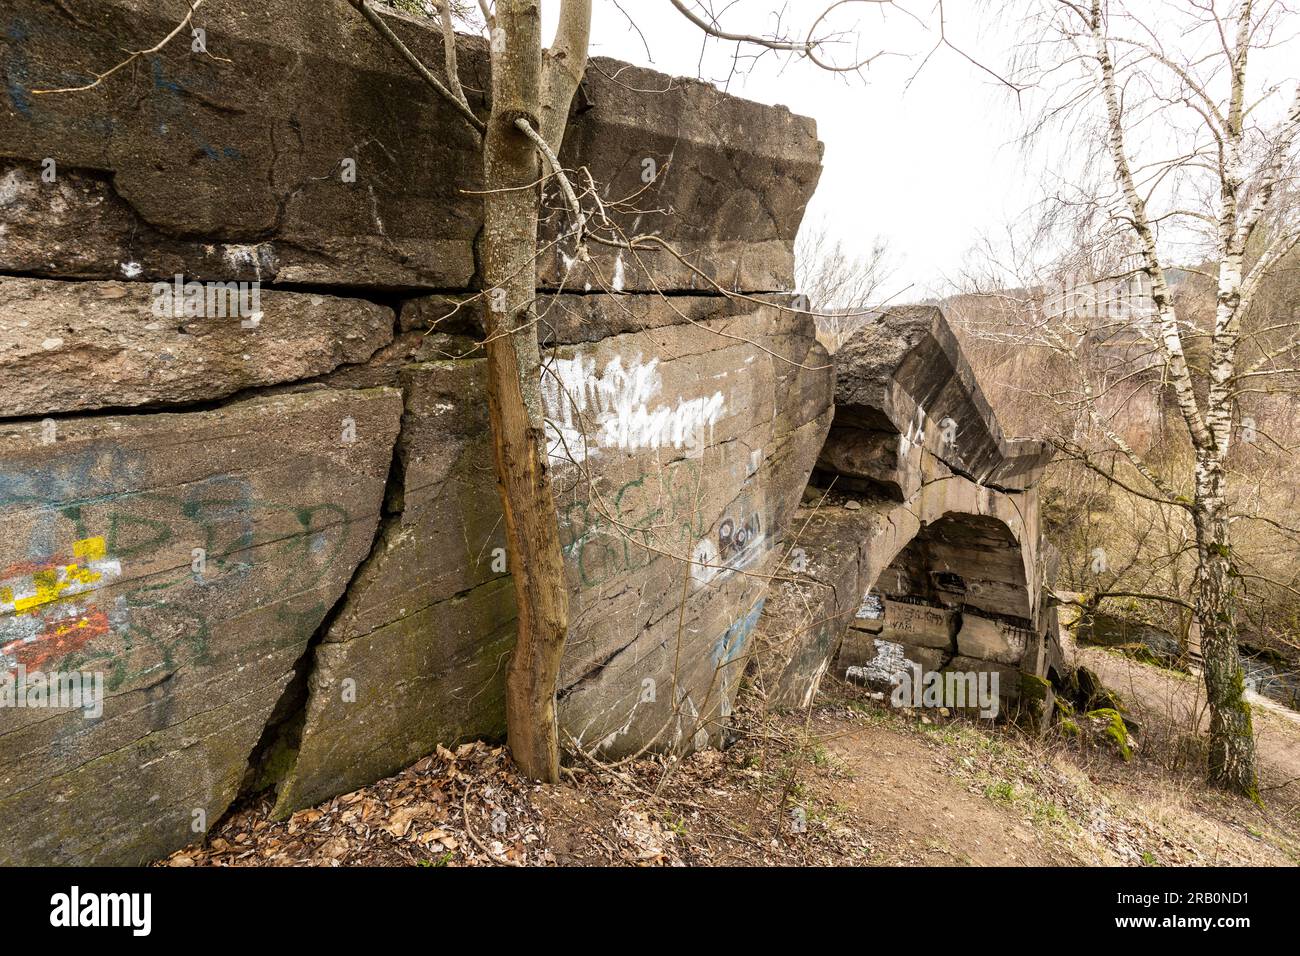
(732, 642)
(108, 579)
(646, 518)
(616, 408)
(872, 608)
(885, 669)
(737, 544)
(32, 639)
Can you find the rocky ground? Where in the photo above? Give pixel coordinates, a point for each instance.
(849, 783)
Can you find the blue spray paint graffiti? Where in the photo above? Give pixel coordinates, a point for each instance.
(732, 642)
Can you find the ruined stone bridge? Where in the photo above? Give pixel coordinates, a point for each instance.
(936, 560)
(272, 533)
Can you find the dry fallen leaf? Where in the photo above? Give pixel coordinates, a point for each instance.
(400, 821)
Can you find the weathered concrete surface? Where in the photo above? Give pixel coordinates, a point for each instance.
(942, 563)
(98, 532)
(691, 137)
(678, 443)
(683, 427)
(386, 368)
(840, 604)
(577, 319)
(808, 614)
(356, 608)
(238, 165)
(992, 640)
(698, 441)
(417, 654)
(922, 625)
(76, 346)
(903, 387)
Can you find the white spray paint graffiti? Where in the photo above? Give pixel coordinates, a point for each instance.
(888, 666)
(258, 257)
(871, 609)
(617, 401)
(915, 433)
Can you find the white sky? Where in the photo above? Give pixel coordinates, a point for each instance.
(928, 167)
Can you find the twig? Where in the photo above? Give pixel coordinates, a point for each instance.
(100, 77)
(464, 809)
(387, 33)
(580, 227)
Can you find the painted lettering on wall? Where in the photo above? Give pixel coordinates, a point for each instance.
(616, 408)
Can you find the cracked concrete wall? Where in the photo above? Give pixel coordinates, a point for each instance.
(231, 168)
(639, 496)
(265, 515)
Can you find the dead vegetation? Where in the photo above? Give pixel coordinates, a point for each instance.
(849, 783)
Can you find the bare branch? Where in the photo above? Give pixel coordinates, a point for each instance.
(378, 22)
(100, 77)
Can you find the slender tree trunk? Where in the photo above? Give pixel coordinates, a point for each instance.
(1232, 738)
(1232, 742)
(507, 252)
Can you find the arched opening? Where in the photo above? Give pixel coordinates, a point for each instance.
(959, 597)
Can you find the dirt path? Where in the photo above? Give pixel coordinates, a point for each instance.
(1165, 698)
(902, 791)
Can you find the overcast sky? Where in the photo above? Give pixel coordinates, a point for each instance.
(927, 166)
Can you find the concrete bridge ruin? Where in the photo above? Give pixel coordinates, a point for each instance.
(273, 532)
(935, 560)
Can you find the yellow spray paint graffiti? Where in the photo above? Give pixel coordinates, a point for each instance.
(89, 569)
(37, 624)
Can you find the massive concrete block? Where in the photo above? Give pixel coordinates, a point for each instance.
(74, 346)
(631, 123)
(239, 164)
(187, 559)
(902, 388)
(679, 452)
(417, 654)
(993, 640)
(827, 602)
(806, 618)
(922, 625)
(682, 428)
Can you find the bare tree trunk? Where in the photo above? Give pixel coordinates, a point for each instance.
(1232, 738)
(508, 251)
(1232, 742)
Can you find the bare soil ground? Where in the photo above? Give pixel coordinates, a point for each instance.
(849, 783)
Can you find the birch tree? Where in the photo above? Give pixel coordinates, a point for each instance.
(1196, 156)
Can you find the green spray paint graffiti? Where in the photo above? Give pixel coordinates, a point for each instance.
(212, 551)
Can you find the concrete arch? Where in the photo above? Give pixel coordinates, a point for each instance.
(963, 561)
(962, 594)
(937, 560)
